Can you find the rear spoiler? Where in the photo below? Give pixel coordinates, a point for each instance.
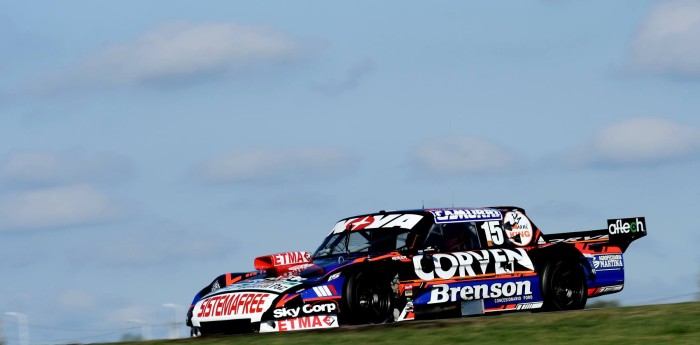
(620, 232)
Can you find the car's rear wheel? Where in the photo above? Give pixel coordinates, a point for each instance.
(563, 286)
(368, 298)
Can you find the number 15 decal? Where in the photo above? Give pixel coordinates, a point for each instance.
(493, 232)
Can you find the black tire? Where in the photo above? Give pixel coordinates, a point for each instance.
(368, 298)
(564, 286)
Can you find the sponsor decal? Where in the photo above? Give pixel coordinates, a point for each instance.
(215, 286)
(465, 215)
(334, 276)
(442, 293)
(271, 285)
(493, 232)
(518, 228)
(307, 309)
(407, 312)
(291, 258)
(579, 238)
(292, 273)
(626, 226)
(300, 323)
(323, 291)
(528, 306)
(614, 288)
(474, 263)
(404, 221)
(609, 261)
(233, 304)
(508, 299)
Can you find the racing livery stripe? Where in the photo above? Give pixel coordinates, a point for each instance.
(285, 299)
(323, 291)
(315, 299)
(484, 277)
(230, 281)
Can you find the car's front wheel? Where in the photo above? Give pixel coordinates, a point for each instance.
(368, 298)
(563, 285)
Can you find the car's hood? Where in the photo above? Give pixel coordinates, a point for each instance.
(248, 299)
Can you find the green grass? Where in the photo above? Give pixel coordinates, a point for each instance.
(657, 324)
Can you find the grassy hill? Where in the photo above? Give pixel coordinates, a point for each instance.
(657, 324)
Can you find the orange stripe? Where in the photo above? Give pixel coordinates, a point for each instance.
(483, 277)
(285, 299)
(230, 281)
(392, 254)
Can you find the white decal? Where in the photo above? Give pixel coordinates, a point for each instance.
(306, 309)
(300, 323)
(626, 226)
(474, 263)
(322, 291)
(406, 313)
(465, 215)
(444, 293)
(528, 306)
(494, 235)
(613, 288)
(518, 228)
(404, 221)
(580, 238)
(233, 306)
(262, 284)
(607, 262)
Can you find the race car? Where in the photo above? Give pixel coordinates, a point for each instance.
(419, 264)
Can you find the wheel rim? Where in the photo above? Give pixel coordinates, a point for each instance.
(567, 287)
(372, 301)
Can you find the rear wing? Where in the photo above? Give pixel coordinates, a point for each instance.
(620, 232)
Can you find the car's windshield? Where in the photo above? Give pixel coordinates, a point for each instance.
(362, 241)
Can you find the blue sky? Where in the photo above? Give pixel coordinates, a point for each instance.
(146, 148)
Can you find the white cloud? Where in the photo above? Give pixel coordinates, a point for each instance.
(668, 41)
(266, 165)
(56, 207)
(52, 168)
(640, 141)
(181, 51)
(464, 155)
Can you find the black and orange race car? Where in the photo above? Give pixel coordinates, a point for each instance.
(419, 264)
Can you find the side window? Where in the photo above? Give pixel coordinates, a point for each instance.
(450, 237)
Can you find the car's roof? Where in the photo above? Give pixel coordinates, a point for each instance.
(408, 219)
(433, 210)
